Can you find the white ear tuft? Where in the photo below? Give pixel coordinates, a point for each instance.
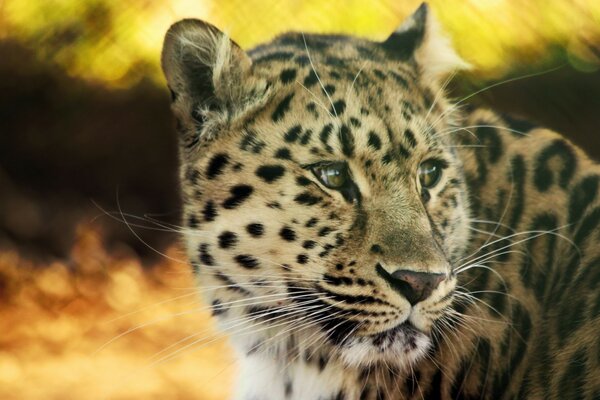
(436, 56)
(420, 38)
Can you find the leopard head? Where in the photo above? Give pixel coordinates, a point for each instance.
(322, 194)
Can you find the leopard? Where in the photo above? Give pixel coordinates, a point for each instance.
(359, 234)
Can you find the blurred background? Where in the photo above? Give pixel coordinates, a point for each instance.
(96, 299)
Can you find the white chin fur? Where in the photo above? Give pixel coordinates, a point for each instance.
(397, 350)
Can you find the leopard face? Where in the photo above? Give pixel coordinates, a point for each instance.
(323, 199)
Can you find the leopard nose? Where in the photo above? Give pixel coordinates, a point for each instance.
(414, 286)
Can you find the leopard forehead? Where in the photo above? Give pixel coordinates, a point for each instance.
(331, 98)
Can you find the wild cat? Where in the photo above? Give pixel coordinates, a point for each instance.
(361, 237)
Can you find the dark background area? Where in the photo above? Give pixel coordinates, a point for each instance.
(71, 150)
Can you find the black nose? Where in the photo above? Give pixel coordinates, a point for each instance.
(415, 286)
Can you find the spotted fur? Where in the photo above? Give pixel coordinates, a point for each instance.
(317, 286)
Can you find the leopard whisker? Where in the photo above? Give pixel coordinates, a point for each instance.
(312, 65)
(187, 312)
(237, 322)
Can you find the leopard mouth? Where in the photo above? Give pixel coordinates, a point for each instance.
(405, 330)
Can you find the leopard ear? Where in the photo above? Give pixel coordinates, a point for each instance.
(420, 38)
(206, 73)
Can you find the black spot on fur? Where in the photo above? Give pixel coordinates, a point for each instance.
(346, 140)
(193, 221)
(572, 383)
(292, 134)
(309, 244)
(520, 126)
(517, 173)
(582, 195)
(330, 89)
(410, 138)
(282, 108)
(210, 211)
(379, 74)
(287, 233)
(216, 165)
(400, 79)
(312, 108)
(307, 199)
(492, 142)
(246, 261)
(274, 204)
(387, 158)
(302, 258)
(288, 388)
(336, 280)
(251, 143)
(287, 75)
(324, 231)
(376, 249)
(355, 122)
(239, 194)
(255, 229)
(532, 275)
(311, 79)
(283, 153)
(338, 108)
(303, 181)
(588, 225)
(270, 173)
(544, 176)
(193, 175)
(195, 267)
(311, 222)
(217, 307)
(324, 135)
(374, 140)
(277, 56)
(205, 257)
(306, 137)
(403, 152)
(435, 391)
(227, 240)
(322, 362)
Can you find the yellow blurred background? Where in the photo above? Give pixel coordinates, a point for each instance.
(118, 42)
(85, 313)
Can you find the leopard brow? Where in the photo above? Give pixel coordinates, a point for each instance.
(322, 164)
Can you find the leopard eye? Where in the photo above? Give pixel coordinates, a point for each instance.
(430, 172)
(333, 176)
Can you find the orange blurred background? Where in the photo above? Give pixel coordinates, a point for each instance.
(96, 299)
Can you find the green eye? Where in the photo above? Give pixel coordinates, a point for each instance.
(333, 176)
(430, 172)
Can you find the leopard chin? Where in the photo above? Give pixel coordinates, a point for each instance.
(399, 347)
